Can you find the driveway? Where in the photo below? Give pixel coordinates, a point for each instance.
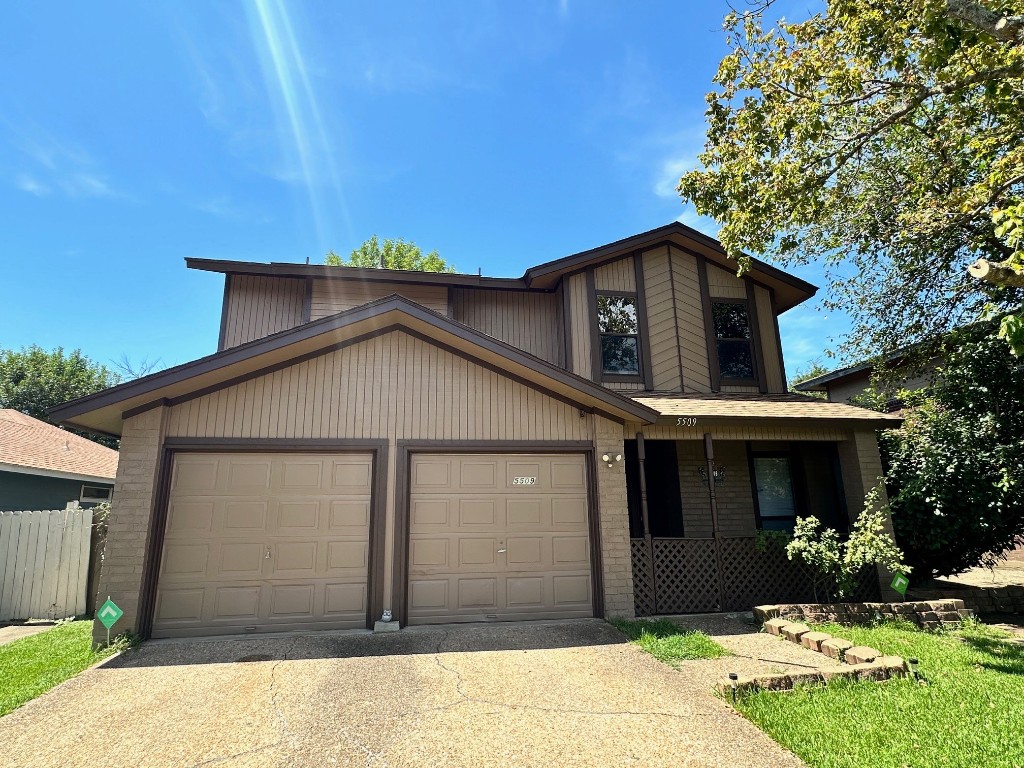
(556, 694)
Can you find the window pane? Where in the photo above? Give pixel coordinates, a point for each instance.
(616, 314)
(786, 524)
(730, 320)
(734, 360)
(618, 355)
(774, 487)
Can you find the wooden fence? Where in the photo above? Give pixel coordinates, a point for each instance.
(44, 563)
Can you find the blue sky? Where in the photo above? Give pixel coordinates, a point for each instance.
(502, 135)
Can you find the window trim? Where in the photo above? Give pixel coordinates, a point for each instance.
(642, 376)
(753, 342)
(605, 375)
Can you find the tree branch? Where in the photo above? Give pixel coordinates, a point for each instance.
(1006, 29)
(997, 273)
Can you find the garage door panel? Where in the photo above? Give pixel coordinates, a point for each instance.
(487, 553)
(285, 544)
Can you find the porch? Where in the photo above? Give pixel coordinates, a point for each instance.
(699, 511)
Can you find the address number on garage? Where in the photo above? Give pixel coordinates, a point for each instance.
(524, 481)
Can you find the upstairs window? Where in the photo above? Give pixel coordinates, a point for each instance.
(620, 341)
(733, 340)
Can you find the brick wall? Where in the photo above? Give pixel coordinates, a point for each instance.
(735, 497)
(616, 555)
(128, 524)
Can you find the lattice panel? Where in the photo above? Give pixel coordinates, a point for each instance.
(685, 577)
(643, 577)
(753, 578)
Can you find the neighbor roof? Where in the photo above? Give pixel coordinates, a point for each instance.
(788, 406)
(789, 290)
(106, 410)
(31, 446)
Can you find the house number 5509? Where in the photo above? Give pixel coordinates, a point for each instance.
(524, 481)
(686, 421)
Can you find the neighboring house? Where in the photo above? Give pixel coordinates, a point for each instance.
(843, 385)
(45, 467)
(603, 436)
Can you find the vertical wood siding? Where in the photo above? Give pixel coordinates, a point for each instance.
(724, 284)
(333, 296)
(690, 321)
(616, 276)
(393, 386)
(529, 321)
(661, 321)
(580, 324)
(44, 563)
(754, 429)
(260, 306)
(774, 377)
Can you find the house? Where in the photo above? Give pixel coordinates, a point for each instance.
(845, 385)
(603, 436)
(45, 467)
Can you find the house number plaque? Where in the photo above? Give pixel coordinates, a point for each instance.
(524, 481)
(686, 421)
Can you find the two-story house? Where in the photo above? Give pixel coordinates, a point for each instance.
(603, 436)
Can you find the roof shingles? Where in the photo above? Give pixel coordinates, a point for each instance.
(34, 444)
(788, 406)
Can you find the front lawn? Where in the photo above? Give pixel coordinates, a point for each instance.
(971, 713)
(669, 642)
(33, 665)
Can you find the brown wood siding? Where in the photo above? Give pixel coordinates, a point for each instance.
(333, 296)
(616, 276)
(752, 430)
(393, 386)
(725, 284)
(774, 377)
(580, 322)
(530, 321)
(690, 321)
(261, 306)
(661, 321)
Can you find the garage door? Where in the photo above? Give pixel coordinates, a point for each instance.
(498, 537)
(265, 542)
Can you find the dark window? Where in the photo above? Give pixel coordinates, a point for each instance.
(94, 493)
(664, 500)
(776, 502)
(617, 323)
(733, 339)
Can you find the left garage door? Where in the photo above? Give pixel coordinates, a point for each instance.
(265, 542)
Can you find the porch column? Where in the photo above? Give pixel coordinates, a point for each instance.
(644, 517)
(709, 457)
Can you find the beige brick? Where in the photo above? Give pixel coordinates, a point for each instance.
(793, 632)
(835, 647)
(861, 654)
(813, 640)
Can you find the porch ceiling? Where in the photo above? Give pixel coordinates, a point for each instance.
(788, 407)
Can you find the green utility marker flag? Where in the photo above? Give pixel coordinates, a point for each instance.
(108, 614)
(900, 583)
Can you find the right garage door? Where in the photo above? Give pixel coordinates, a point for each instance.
(498, 537)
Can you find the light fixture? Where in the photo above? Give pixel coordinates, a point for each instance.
(718, 471)
(912, 663)
(733, 682)
(609, 460)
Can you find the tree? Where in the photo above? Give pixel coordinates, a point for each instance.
(955, 469)
(813, 371)
(391, 254)
(33, 380)
(885, 139)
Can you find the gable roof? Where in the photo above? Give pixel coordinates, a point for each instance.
(34, 447)
(789, 290)
(106, 410)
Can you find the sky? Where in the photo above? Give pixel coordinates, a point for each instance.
(500, 134)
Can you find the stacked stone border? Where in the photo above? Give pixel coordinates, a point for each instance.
(860, 662)
(1008, 599)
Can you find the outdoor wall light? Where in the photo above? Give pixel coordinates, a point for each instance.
(718, 471)
(607, 459)
(733, 681)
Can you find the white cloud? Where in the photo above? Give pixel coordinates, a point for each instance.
(55, 165)
(670, 172)
(85, 185)
(30, 184)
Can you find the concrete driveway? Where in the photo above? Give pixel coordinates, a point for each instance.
(557, 694)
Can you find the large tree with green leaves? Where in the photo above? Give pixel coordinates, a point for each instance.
(884, 138)
(391, 254)
(955, 469)
(33, 380)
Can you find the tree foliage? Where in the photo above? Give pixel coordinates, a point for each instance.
(391, 254)
(812, 371)
(885, 139)
(955, 470)
(33, 380)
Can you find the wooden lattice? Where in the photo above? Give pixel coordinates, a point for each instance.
(685, 577)
(643, 577)
(751, 577)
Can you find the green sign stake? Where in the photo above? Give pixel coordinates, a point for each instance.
(900, 583)
(108, 614)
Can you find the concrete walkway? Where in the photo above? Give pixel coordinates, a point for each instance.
(11, 632)
(557, 694)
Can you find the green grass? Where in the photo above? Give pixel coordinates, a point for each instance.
(33, 665)
(971, 713)
(668, 642)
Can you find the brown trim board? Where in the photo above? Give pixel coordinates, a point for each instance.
(403, 466)
(778, 339)
(709, 324)
(644, 320)
(171, 447)
(678, 347)
(755, 332)
(224, 313)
